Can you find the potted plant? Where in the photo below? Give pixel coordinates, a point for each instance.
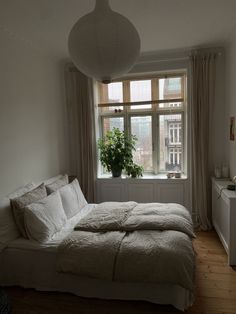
(116, 151)
(134, 170)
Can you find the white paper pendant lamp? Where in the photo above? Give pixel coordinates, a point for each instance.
(104, 44)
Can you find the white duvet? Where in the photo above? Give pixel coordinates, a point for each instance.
(130, 242)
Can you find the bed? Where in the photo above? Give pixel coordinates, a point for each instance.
(49, 265)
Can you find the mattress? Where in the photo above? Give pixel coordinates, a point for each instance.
(28, 264)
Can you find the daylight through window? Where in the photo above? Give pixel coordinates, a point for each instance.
(153, 109)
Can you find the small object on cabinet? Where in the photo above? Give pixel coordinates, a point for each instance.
(178, 175)
(231, 187)
(217, 172)
(225, 171)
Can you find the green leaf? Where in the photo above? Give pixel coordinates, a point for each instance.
(116, 150)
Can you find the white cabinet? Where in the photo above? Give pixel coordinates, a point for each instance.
(143, 190)
(171, 193)
(224, 216)
(111, 191)
(140, 192)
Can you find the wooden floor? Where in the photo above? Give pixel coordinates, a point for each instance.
(215, 290)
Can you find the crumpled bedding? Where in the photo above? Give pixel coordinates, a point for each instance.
(130, 242)
(130, 216)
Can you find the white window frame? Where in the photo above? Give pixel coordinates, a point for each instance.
(155, 111)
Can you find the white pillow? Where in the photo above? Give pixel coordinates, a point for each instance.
(44, 218)
(22, 190)
(73, 199)
(19, 203)
(53, 179)
(8, 228)
(56, 185)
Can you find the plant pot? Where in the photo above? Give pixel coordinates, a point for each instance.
(116, 173)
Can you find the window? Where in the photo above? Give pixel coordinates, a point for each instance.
(153, 109)
(109, 123)
(175, 157)
(141, 126)
(175, 132)
(170, 134)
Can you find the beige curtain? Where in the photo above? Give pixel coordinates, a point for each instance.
(202, 94)
(81, 130)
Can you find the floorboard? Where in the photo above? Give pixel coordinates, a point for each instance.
(215, 290)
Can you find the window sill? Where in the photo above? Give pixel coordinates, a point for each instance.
(144, 177)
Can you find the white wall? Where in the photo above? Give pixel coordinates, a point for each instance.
(32, 115)
(231, 95)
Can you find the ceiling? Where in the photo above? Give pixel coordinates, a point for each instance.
(162, 24)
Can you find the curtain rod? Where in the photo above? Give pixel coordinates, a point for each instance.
(152, 58)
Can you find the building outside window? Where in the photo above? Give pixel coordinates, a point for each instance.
(175, 132)
(154, 109)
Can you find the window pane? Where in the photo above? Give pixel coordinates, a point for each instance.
(115, 92)
(142, 128)
(174, 105)
(140, 91)
(170, 130)
(170, 88)
(110, 123)
(111, 93)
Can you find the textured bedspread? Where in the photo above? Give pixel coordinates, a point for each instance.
(132, 242)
